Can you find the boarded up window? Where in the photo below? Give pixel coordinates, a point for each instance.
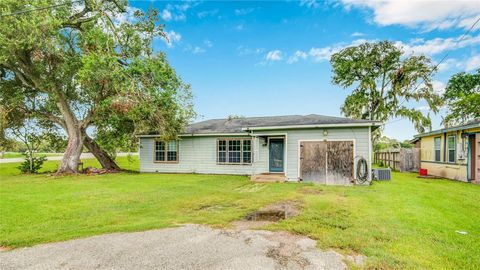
(313, 161)
(326, 162)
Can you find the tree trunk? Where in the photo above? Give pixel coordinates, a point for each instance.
(75, 132)
(103, 157)
(71, 157)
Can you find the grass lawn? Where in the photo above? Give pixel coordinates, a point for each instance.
(404, 223)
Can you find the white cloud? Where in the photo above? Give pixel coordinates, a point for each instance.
(428, 15)
(438, 45)
(275, 55)
(438, 87)
(173, 37)
(473, 63)
(166, 15)
(357, 34)
(244, 11)
(197, 49)
(244, 50)
(448, 64)
(194, 49)
(310, 3)
(297, 56)
(175, 12)
(207, 13)
(323, 54)
(125, 17)
(208, 43)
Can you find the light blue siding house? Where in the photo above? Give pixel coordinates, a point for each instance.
(307, 148)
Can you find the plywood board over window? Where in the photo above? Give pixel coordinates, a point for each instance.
(313, 161)
(327, 162)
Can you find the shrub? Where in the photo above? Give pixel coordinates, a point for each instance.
(34, 166)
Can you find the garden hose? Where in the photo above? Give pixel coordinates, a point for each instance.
(362, 171)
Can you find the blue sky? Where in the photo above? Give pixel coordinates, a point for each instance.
(271, 58)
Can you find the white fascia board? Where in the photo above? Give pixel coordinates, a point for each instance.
(314, 126)
(199, 135)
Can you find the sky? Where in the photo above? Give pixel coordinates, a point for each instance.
(267, 58)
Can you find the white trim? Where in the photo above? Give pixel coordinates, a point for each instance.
(277, 135)
(314, 126)
(198, 135)
(454, 149)
(328, 140)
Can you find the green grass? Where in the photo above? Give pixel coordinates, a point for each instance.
(406, 223)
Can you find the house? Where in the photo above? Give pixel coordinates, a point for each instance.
(452, 152)
(315, 148)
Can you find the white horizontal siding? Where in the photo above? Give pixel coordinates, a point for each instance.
(198, 154)
(359, 135)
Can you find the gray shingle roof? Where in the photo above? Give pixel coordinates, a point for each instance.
(235, 125)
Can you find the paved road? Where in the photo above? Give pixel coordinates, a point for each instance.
(83, 156)
(187, 247)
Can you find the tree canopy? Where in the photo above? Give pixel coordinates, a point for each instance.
(383, 80)
(88, 65)
(463, 98)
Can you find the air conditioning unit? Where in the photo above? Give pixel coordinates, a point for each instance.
(382, 174)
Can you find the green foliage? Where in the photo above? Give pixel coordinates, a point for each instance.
(89, 65)
(381, 77)
(406, 144)
(32, 164)
(385, 142)
(463, 98)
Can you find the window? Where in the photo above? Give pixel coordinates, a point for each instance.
(247, 151)
(234, 151)
(451, 148)
(166, 151)
(437, 142)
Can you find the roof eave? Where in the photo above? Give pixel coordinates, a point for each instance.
(440, 131)
(195, 135)
(368, 124)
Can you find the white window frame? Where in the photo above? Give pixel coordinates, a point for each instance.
(439, 149)
(242, 151)
(454, 148)
(165, 151)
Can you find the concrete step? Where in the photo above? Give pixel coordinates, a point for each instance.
(268, 178)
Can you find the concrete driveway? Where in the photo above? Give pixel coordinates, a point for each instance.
(187, 247)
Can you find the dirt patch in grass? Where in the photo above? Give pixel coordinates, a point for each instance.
(269, 214)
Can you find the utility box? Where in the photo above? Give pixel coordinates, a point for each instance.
(382, 174)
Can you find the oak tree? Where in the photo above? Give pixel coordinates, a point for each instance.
(462, 96)
(383, 80)
(88, 67)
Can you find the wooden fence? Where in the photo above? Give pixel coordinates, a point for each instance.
(403, 159)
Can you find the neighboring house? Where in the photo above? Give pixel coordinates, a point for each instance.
(452, 152)
(316, 148)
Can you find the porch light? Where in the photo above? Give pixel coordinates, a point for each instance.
(325, 132)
